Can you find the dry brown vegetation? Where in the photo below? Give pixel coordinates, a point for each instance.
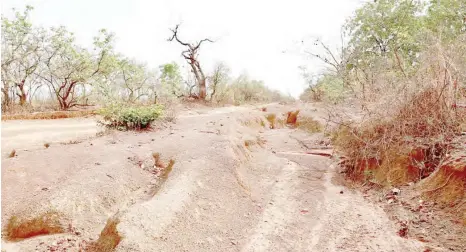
(109, 238)
(44, 224)
(305, 123)
(251, 142)
(417, 144)
(272, 120)
(12, 154)
(165, 169)
(49, 115)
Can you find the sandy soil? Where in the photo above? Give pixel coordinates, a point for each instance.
(30, 134)
(220, 196)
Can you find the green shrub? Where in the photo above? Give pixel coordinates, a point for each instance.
(127, 117)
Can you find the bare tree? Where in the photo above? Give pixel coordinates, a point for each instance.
(191, 55)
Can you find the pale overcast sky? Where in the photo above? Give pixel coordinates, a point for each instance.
(254, 37)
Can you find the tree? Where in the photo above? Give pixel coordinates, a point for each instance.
(386, 28)
(447, 18)
(219, 78)
(170, 80)
(135, 79)
(68, 65)
(22, 52)
(191, 55)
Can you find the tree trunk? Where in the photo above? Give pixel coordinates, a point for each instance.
(6, 98)
(22, 93)
(22, 99)
(202, 89)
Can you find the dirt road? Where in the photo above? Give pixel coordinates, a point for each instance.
(236, 186)
(34, 133)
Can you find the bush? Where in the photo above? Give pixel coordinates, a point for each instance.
(127, 117)
(404, 148)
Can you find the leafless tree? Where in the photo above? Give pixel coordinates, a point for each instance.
(191, 56)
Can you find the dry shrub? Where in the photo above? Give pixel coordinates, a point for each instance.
(292, 117)
(157, 160)
(309, 125)
(257, 122)
(49, 115)
(166, 169)
(12, 154)
(44, 224)
(272, 120)
(249, 142)
(109, 238)
(258, 141)
(403, 148)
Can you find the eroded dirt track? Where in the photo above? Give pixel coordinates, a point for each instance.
(221, 195)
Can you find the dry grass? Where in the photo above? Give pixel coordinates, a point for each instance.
(251, 142)
(44, 224)
(71, 142)
(305, 123)
(109, 238)
(49, 115)
(257, 122)
(292, 117)
(407, 147)
(308, 124)
(12, 154)
(272, 120)
(157, 160)
(166, 169)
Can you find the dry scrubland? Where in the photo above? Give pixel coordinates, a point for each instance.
(373, 157)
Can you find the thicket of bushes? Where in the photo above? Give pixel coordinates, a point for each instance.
(405, 63)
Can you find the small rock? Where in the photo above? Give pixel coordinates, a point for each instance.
(396, 191)
(341, 192)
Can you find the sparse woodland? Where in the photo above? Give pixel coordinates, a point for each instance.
(393, 95)
(43, 68)
(404, 64)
